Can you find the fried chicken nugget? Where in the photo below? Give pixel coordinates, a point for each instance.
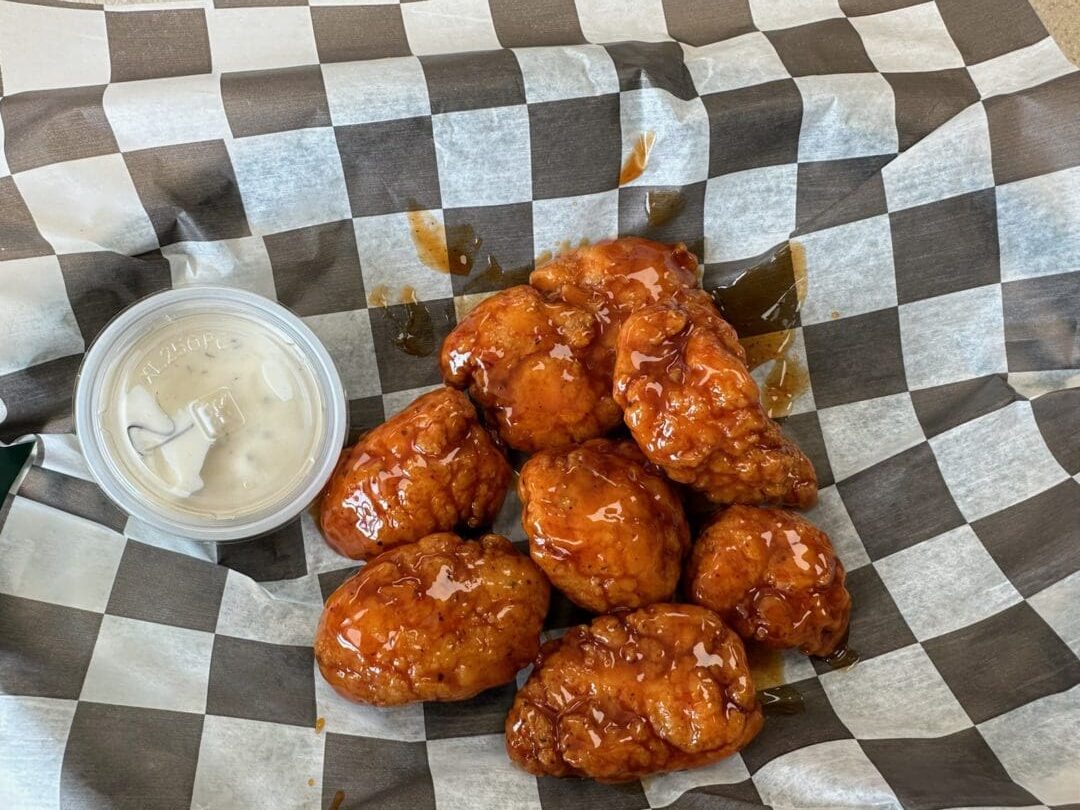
(440, 619)
(660, 689)
(615, 278)
(695, 411)
(774, 577)
(603, 524)
(431, 468)
(535, 367)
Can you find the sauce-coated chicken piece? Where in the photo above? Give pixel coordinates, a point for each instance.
(774, 577)
(539, 358)
(535, 367)
(431, 468)
(660, 689)
(603, 524)
(615, 278)
(440, 619)
(696, 412)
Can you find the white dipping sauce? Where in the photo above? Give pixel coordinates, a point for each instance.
(217, 415)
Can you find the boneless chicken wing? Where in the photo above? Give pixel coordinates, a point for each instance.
(440, 619)
(603, 524)
(615, 278)
(535, 367)
(431, 468)
(774, 577)
(660, 689)
(539, 358)
(695, 411)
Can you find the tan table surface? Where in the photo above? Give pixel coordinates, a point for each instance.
(1062, 18)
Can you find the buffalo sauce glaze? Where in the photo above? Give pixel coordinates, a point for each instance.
(694, 409)
(615, 278)
(535, 367)
(605, 527)
(662, 688)
(430, 468)
(439, 619)
(774, 576)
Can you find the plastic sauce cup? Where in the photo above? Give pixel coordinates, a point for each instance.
(210, 412)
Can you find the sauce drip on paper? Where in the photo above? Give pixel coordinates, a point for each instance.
(495, 278)
(766, 665)
(763, 303)
(429, 239)
(843, 657)
(766, 297)
(462, 245)
(767, 670)
(786, 379)
(663, 206)
(414, 332)
(638, 159)
(781, 700)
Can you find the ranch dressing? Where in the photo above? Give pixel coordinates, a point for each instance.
(215, 414)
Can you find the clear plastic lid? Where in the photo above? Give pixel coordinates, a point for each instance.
(210, 412)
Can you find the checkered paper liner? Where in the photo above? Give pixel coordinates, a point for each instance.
(925, 154)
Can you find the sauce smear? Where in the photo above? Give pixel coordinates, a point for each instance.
(766, 665)
(763, 304)
(781, 700)
(638, 159)
(787, 378)
(429, 239)
(767, 670)
(495, 277)
(663, 206)
(766, 297)
(462, 245)
(843, 657)
(416, 333)
(379, 297)
(414, 330)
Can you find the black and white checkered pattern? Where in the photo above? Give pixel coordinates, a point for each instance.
(925, 154)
